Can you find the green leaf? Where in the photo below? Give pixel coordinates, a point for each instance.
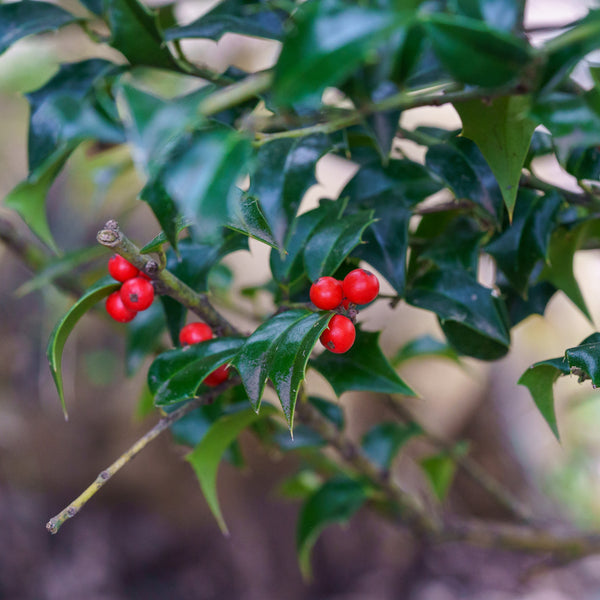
(502, 131)
(285, 169)
(584, 163)
(20, 19)
(382, 443)
(135, 33)
(63, 328)
(520, 247)
(500, 14)
(564, 243)
(440, 470)
(177, 374)
(143, 336)
(278, 350)
(586, 357)
(206, 456)
(425, 346)
(463, 167)
(335, 501)
(201, 175)
(156, 243)
(300, 485)
(475, 53)
(330, 40)
(539, 380)
(248, 218)
(332, 241)
(254, 19)
(362, 368)
(472, 318)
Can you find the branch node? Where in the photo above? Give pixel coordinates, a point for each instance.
(109, 237)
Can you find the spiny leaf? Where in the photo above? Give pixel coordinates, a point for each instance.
(63, 328)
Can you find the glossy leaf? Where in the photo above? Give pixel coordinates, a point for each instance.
(201, 175)
(584, 163)
(472, 318)
(332, 241)
(335, 501)
(176, 375)
(256, 19)
(278, 350)
(248, 218)
(520, 247)
(424, 347)
(135, 33)
(440, 470)
(539, 380)
(362, 368)
(586, 357)
(330, 40)
(20, 19)
(382, 443)
(206, 456)
(475, 53)
(63, 328)
(502, 131)
(285, 169)
(464, 169)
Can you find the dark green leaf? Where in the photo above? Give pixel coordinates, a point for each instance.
(330, 40)
(332, 241)
(63, 328)
(285, 169)
(500, 14)
(331, 411)
(584, 163)
(143, 336)
(424, 346)
(136, 35)
(472, 318)
(440, 470)
(464, 169)
(95, 6)
(201, 175)
(382, 442)
(248, 218)
(335, 501)
(586, 357)
(539, 379)
(20, 19)
(176, 375)
(520, 247)
(256, 19)
(538, 296)
(502, 131)
(362, 368)
(475, 53)
(206, 456)
(279, 350)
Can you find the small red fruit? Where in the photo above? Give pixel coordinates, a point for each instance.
(121, 269)
(218, 376)
(117, 310)
(194, 333)
(326, 293)
(339, 335)
(361, 286)
(137, 293)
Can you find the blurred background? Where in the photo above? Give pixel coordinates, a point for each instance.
(148, 534)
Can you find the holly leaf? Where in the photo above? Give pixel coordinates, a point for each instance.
(61, 332)
(20, 19)
(362, 368)
(502, 130)
(500, 14)
(336, 501)
(206, 456)
(177, 374)
(278, 350)
(382, 443)
(440, 470)
(248, 218)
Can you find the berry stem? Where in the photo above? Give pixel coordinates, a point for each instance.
(112, 237)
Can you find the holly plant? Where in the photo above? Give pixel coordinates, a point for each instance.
(223, 157)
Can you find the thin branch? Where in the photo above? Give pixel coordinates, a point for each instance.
(112, 237)
(585, 198)
(70, 511)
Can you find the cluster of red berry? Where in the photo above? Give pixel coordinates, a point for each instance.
(136, 293)
(327, 293)
(194, 333)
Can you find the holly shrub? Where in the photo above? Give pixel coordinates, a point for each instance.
(227, 156)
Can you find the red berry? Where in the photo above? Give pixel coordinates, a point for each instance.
(339, 335)
(117, 310)
(137, 293)
(218, 376)
(194, 333)
(121, 269)
(361, 286)
(326, 293)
